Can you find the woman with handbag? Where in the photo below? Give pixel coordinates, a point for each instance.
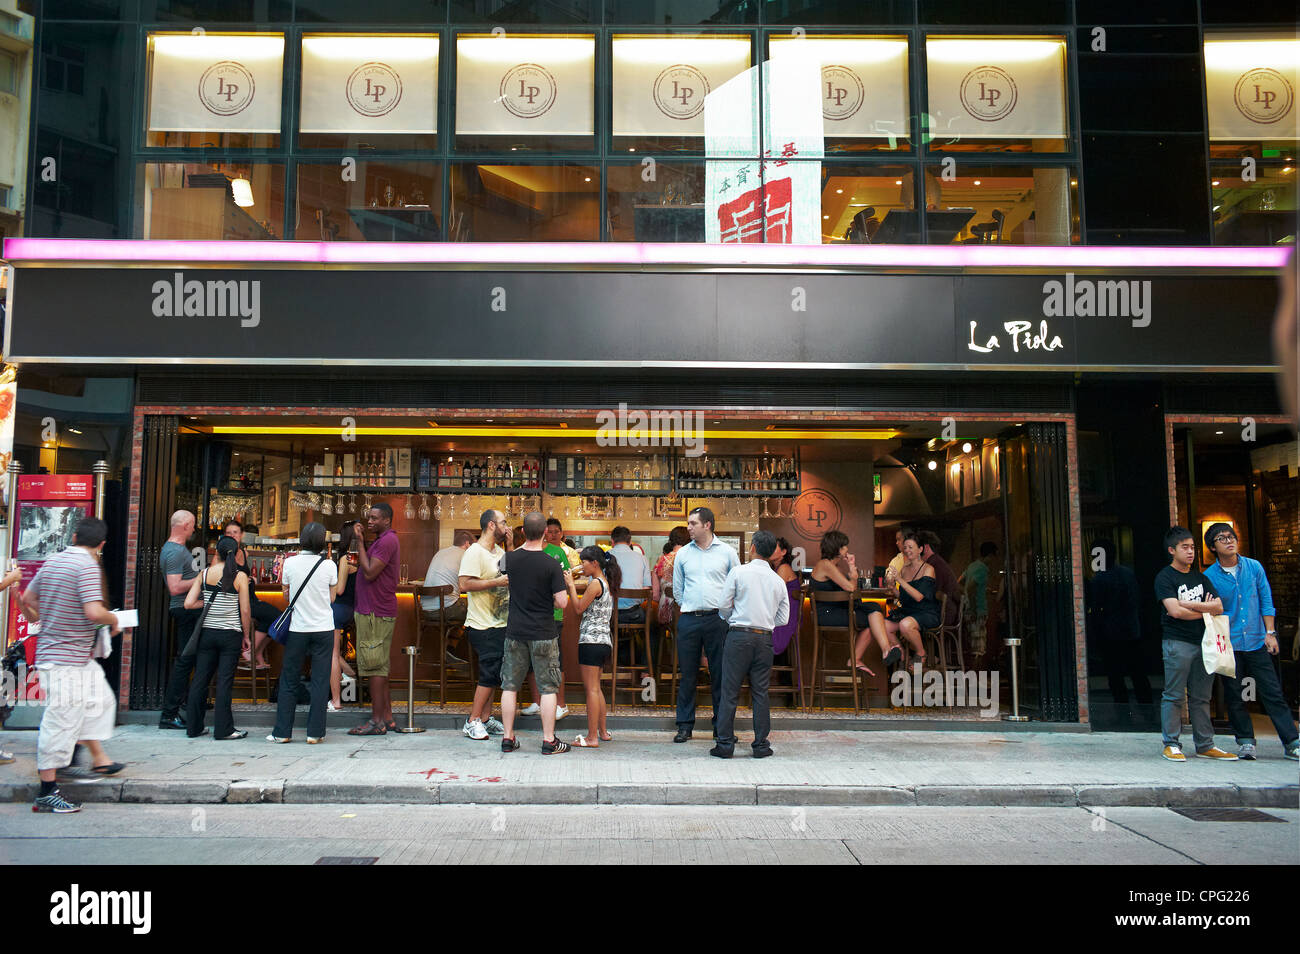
(221, 592)
(309, 580)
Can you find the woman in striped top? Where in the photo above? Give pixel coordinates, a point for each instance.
(224, 587)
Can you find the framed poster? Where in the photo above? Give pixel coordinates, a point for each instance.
(977, 477)
(284, 505)
(955, 484)
(670, 508)
(877, 492)
(271, 509)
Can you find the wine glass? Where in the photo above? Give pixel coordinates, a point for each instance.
(352, 503)
(314, 502)
(464, 505)
(423, 512)
(409, 511)
(437, 506)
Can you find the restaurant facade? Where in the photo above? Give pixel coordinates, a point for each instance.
(610, 263)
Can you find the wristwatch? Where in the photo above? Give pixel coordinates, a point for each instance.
(1270, 632)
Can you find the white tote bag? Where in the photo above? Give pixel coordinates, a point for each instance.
(1216, 646)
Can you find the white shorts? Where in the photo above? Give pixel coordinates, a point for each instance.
(79, 705)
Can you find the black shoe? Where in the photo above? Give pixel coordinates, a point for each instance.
(763, 753)
(682, 735)
(234, 736)
(175, 722)
(721, 752)
(509, 745)
(195, 735)
(893, 656)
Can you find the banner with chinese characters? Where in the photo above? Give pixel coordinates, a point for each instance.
(8, 405)
(216, 82)
(525, 85)
(777, 199)
(384, 84)
(863, 82)
(1250, 85)
(997, 88)
(660, 82)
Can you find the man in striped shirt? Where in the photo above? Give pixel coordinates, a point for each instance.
(67, 598)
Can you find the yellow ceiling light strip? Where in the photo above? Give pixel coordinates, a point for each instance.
(523, 433)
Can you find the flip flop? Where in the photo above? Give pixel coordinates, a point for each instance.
(607, 737)
(582, 743)
(370, 728)
(112, 768)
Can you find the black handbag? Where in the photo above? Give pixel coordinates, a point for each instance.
(279, 630)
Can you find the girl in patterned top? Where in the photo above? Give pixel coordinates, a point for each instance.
(596, 604)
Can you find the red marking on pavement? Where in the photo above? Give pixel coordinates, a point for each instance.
(428, 774)
(494, 778)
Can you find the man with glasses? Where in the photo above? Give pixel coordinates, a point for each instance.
(485, 618)
(1248, 603)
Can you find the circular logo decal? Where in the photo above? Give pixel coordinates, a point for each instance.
(988, 93)
(815, 513)
(842, 92)
(226, 88)
(528, 90)
(679, 91)
(374, 89)
(1264, 96)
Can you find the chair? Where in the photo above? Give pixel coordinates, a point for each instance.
(439, 625)
(792, 650)
(631, 632)
(820, 645)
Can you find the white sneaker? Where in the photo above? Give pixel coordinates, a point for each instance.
(474, 730)
(494, 727)
(532, 709)
(561, 712)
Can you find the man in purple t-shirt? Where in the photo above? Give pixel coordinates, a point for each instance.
(376, 615)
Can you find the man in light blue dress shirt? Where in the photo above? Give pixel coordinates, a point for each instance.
(699, 571)
(758, 602)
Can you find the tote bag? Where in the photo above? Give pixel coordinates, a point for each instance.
(1216, 646)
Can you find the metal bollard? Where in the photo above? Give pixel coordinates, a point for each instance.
(411, 653)
(1015, 685)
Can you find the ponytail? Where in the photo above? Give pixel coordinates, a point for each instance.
(608, 565)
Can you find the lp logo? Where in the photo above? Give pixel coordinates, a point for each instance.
(990, 96)
(225, 89)
(528, 92)
(836, 93)
(376, 91)
(682, 94)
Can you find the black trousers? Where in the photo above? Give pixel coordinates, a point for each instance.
(698, 635)
(320, 647)
(746, 655)
(1257, 664)
(218, 654)
(178, 683)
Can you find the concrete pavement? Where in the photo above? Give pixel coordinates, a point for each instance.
(903, 768)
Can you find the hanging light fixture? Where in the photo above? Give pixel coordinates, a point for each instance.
(242, 190)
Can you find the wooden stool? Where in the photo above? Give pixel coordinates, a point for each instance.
(820, 645)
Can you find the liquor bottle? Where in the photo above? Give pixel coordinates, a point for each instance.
(791, 476)
(570, 475)
(392, 468)
(636, 477)
(737, 483)
(712, 478)
(618, 477)
(338, 472)
(456, 476)
(681, 476)
(503, 476)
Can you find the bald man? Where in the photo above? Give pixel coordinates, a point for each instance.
(177, 564)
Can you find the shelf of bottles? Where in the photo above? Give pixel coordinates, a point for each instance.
(376, 471)
(640, 476)
(489, 474)
(737, 476)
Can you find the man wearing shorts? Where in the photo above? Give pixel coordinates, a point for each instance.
(376, 615)
(537, 588)
(67, 598)
(488, 600)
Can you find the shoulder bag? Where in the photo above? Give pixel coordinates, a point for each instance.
(279, 630)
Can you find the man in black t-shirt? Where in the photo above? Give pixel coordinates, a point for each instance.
(1186, 594)
(537, 588)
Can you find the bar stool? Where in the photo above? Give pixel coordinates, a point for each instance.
(792, 650)
(939, 635)
(440, 626)
(631, 632)
(820, 669)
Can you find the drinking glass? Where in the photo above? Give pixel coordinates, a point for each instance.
(423, 512)
(409, 511)
(437, 506)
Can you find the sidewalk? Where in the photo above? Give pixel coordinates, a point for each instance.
(643, 767)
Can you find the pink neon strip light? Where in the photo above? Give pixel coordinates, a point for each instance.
(640, 255)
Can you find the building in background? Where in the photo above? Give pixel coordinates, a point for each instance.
(16, 31)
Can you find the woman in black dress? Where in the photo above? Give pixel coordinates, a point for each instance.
(830, 575)
(919, 610)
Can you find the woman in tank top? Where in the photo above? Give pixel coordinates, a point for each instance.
(344, 608)
(596, 604)
(224, 588)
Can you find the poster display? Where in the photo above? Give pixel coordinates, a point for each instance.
(369, 84)
(525, 85)
(997, 87)
(1250, 85)
(216, 82)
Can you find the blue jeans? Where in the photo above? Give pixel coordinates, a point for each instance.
(1185, 674)
(745, 654)
(1257, 664)
(320, 646)
(696, 634)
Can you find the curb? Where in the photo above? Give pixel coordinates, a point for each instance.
(279, 791)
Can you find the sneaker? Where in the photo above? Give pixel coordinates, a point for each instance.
(494, 727)
(56, 803)
(1173, 753)
(76, 769)
(531, 710)
(1247, 751)
(6, 757)
(277, 740)
(509, 745)
(554, 747)
(1293, 753)
(474, 730)
(561, 712)
(1214, 752)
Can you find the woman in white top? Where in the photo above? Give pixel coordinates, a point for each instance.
(228, 622)
(309, 580)
(596, 604)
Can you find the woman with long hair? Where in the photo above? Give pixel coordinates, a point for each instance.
(224, 588)
(344, 608)
(918, 609)
(596, 604)
(308, 580)
(835, 572)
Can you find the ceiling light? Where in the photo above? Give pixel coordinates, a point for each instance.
(587, 179)
(965, 448)
(1218, 432)
(898, 182)
(839, 191)
(933, 465)
(825, 216)
(242, 190)
(75, 431)
(977, 182)
(1215, 182)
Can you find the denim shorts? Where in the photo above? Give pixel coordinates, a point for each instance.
(544, 657)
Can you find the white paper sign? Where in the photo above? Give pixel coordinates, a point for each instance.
(364, 84)
(994, 88)
(660, 82)
(863, 82)
(1250, 85)
(216, 83)
(526, 85)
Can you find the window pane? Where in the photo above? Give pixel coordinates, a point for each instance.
(869, 205)
(8, 72)
(1262, 212)
(778, 201)
(525, 93)
(662, 202)
(376, 11)
(184, 200)
(217, 11)
(1250, 83)
(846, 12)
(997, 93)
(387, 202)
(524, 203)
(682, 12)
(1015, 205)
(566, 12)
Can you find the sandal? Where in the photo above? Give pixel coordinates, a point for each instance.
(582, 743)
(331, 707)
(865, 669)
(392, 726)
(607, 737)
(112, 768)
(893, 656)
(369, 728)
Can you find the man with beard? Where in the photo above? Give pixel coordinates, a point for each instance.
(485, 618)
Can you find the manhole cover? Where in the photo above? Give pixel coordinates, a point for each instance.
(345, 860)
(1227, 815)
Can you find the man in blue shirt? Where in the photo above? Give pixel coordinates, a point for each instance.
(1248, 604)
(699, 571)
